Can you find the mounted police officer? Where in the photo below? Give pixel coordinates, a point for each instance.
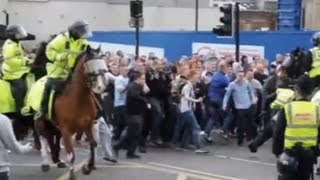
(295, 139)
(15, 65)
(62, 52)
(315, 51)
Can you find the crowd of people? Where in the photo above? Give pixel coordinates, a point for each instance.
(181, 103)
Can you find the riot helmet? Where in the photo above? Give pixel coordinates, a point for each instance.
(316, 39)
(16, 32)
(286, 164)
(80, 29)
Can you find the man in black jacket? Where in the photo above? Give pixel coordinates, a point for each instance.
(135, 108)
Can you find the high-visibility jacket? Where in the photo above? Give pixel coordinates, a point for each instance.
(15, 63)
(315, 71)
(302, 119)
(284, 96)
(62, 52)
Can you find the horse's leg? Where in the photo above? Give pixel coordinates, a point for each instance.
(54, 142)
(86, 169)
(67, 139)
(44, 154)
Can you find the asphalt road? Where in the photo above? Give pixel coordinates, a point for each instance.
(228, 162)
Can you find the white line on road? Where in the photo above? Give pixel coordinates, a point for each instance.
(244, 160)
(194, 171)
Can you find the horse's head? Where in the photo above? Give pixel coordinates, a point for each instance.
(300, 62)
(95, 69)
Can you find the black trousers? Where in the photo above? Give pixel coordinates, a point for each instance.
(19, 90)
(52, 83)
(306, 160)
(246, 123)
(4, 176)
(119, 122)
(132, 138)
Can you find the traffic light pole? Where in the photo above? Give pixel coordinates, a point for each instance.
(137, 39)
(237, 31)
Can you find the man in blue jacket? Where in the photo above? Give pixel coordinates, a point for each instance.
(217, 90)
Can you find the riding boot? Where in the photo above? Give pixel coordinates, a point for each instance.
(44, 102)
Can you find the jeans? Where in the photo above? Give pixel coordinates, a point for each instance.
(190, 127)
(217, 116)
(157, 117)
(119, 122)
(4, 176)
(177, 128)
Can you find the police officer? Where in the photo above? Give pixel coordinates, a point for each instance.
(15, 65)
(62, 52)
(296, 134)
(315, 52)
(277, 92)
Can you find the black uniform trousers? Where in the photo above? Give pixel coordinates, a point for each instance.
(19, 90)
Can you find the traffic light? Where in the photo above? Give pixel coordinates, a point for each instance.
(136, 9)
(226, 29)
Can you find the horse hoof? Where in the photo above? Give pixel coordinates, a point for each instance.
(86, 170)
(61, 165)
(94, 168)
(72, 176)
(45, 167)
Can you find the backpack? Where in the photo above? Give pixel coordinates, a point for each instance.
(176, 89)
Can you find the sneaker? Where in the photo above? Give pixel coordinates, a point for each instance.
(133, 156)
(252, 148)
(201, 151)
(202, 133)
(112, 160)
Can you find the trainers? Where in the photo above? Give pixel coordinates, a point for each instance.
(112, 160)
(252, 148)
(133, 156)
(201, 151)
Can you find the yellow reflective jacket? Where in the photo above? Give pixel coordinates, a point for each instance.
(15, 64)
(62, 51)
(302, 119)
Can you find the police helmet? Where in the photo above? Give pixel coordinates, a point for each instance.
(304, 84)
(316, 39)
(80, 29)
(287, 165)
(16, 32)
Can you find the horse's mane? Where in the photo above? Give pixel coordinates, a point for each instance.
(73, 70)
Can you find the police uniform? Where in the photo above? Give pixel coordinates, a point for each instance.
(296, 136)
(62, 52)
(315, 51)
(14, 68)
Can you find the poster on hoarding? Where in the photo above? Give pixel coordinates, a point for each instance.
(228, 50)
(128, 50)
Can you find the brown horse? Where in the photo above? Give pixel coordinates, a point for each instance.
(74, 112)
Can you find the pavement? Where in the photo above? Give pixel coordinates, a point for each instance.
(226, 161)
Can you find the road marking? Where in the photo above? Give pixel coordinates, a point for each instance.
(182, 176)
(244, 160)
(77, 167)
(194, 171)
(177, 170)
(98, 166)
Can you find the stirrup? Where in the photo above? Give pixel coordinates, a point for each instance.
(38, 116)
